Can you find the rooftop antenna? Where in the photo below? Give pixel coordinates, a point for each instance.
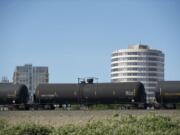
(4, 79)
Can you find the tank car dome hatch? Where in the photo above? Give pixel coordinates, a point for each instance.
(13, 93)
(83, 82)
(90, 80)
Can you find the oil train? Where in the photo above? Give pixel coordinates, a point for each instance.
(126, 94)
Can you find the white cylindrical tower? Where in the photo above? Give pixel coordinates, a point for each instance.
(138, 63)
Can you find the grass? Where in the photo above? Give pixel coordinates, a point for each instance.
(150, 124)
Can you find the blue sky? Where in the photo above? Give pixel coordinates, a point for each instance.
(75, 38)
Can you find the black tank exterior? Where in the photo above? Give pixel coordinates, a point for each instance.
(13, 94)
(168, 92)
(114, 93)
(57, 93)
(126, 92)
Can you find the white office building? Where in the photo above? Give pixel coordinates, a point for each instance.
(138, 63)
(31, 77)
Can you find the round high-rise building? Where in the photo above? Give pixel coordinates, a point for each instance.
(138, 63)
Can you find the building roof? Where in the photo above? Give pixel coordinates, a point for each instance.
(138, 46)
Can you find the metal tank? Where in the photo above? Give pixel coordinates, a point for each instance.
(57, 93)
(168, 92)
(126, 92)
(13, 94)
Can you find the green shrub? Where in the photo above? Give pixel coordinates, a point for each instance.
(26, 129)
(117, 125)
(116, 115)
(3, 124)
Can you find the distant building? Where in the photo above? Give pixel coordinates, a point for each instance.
(4, 80)
(138, 63)
(31, 76)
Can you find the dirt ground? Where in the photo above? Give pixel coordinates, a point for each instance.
(59, 118)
